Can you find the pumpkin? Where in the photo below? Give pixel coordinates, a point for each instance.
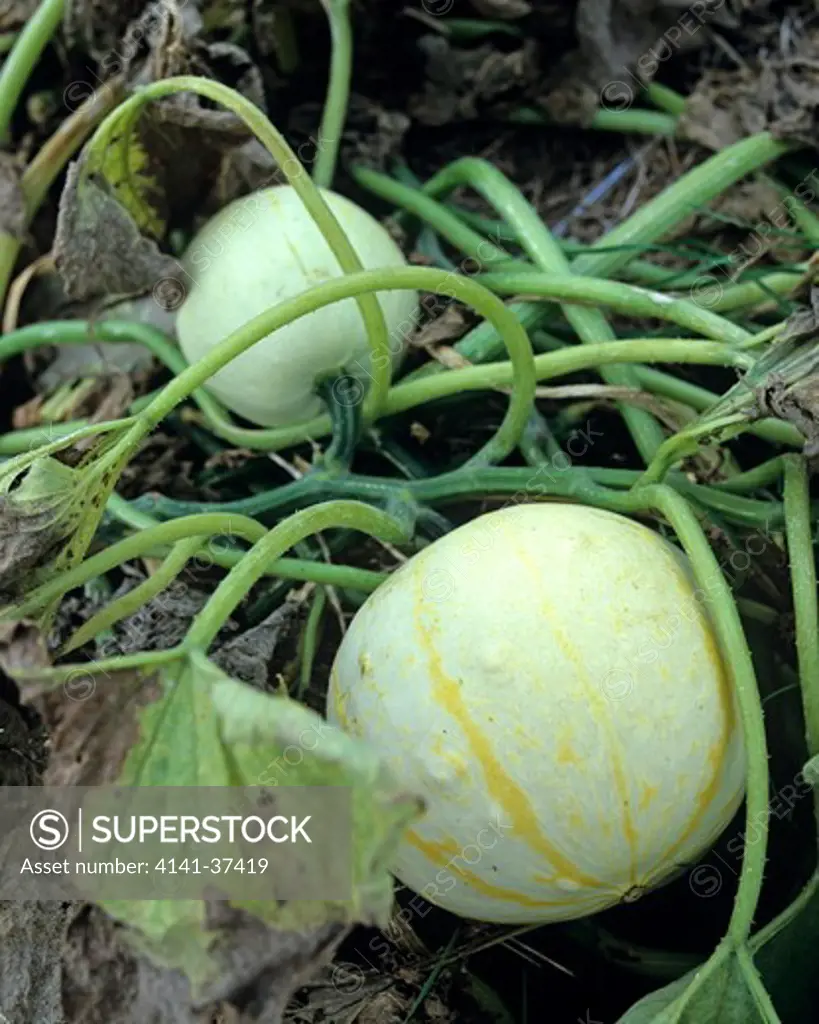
(258, 251)
(548, 678)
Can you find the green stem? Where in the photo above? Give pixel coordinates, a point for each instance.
(293, 171)
(686, 442)
(342, 398)
(237, 584)
(666, 99)
(569, 360)
(415, 391)
(310, 639)
(537, 240)
(446, 223)
(651, 222)
(425, 278)
(804, 218)
(297, 569)
(128, 604)
(799, 534)
(753, 293)
(16, 442)
(27, 50)
(737, 659)
(144, 661)
(205, 525)
(803, 902)
(760, 477)
(628, 299)
(633, 121)
(699, 186)
(699, 398)
(338, 92)
(759, 994)
(551, 477)
(84, 332)
(492, 376)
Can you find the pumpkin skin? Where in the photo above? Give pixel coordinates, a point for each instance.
(547, 679)
(258, 251)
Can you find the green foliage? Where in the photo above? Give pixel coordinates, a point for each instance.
(728, 990)
(207, 729)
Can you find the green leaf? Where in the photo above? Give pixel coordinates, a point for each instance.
(784, 954)
(723, 998)
(655, 1007)
(207, 729)
(179, 742)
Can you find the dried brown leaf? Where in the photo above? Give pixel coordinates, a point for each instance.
(248, 656)
(460, 82)
(92, 722)
(98, 27)
(22, 646)
(774, 92)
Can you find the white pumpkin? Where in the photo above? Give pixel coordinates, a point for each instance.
(258, 251)
(547, 678)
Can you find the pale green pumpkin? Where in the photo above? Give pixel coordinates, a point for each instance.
(548, 678)
(265, 248)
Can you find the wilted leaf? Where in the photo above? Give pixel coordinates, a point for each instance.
(36, 519)
(210, 730)
(92, 725)
(157, 165)
(49, 512)
(98, 248)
